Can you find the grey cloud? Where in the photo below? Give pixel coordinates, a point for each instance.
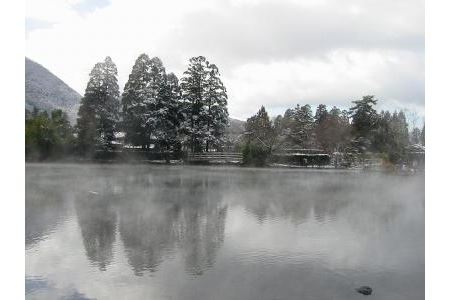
(283, 31)
(273, 35)
(280, 31)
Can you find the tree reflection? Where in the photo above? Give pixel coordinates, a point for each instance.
(147, 232)
(297, 198)
(203, 223)
(317, 196)
(171, 213)
(97, 220)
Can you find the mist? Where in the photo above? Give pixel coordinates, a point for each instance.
(192, 232)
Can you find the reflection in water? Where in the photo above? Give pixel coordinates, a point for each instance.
(316, 194)
(147, 231)
(44, 210)
(33, 284)
(221, 233)
(155, 216)
(202, 223)
(97, 220)
(36, 285)
(156, 219)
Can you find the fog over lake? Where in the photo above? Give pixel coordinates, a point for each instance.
(190, 232)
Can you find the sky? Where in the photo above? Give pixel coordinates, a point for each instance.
(276, 53)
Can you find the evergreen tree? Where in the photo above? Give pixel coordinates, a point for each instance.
(401, 137)
(156, 103)
(364, 116)
(260, 138)
(98, 115)
(173, 105)
(192, 87)
(415, 136)
(391, 135)
(133, 106)
(302, 126)
(168, 115)
(204, 105)
(259, 129)
(383, 135)
(422, 136)
(364, 122)
(151, 104)
(109, 106)
(321, 114)
(278, 125)
(215, 109)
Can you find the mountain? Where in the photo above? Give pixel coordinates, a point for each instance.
(236, 126)
(46, 91)
(235, 131)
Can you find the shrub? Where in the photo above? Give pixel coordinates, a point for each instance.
(255, 155)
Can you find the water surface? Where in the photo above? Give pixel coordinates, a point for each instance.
(156, 232)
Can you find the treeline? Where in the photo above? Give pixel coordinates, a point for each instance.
(155, 110)
(158, 111)
(361, 129)
(48, 135)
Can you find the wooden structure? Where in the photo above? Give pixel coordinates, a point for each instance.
(214, 157)
(415, 156)
(301, 157)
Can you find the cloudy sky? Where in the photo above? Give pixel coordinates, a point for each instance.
(275, 53)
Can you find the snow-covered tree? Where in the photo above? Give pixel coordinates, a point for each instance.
(332, 130)
(260, 138)
(364, 116)
(162, 109)
(422, 135)
(301, 127)
(259, 129)
(133, 97)
(204, 105)
(171, 121)
(415, 136)
(215, 109)
(192, 87)
(150, 104)
(99, 110)
(321, 114)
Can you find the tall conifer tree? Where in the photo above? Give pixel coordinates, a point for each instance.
(133, 98)
(204, 105)
(215, 109)
(98, 115)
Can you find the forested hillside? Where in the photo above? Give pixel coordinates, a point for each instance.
(45, 91)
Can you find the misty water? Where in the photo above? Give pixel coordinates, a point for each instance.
(180, 232)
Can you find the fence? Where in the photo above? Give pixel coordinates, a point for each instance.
(215, 157)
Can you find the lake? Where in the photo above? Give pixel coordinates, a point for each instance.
(191, 232)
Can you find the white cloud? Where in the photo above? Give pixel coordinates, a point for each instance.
(343, 76)
(276, 53)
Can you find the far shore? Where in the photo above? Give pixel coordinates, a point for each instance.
(396, 171)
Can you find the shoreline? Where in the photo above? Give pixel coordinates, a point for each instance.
(408, 172)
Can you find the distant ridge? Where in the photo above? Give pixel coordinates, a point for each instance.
(236, 126)
(46, 91)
